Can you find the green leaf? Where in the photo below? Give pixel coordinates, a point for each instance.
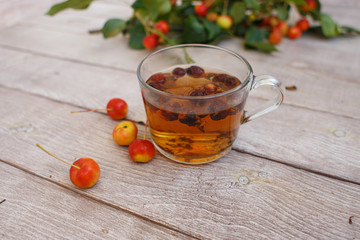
(74, 4)
(194, 32)
(237, 12)
(283, 12)
(296, 2)
(262, 46)
(256, 39)
(137, 34)
(113, 27)
(254, 35)
(254, 4)
(152, 8)
(212, 29)
(328, 26)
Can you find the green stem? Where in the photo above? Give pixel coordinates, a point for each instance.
(143, 22)
(188, 58)
(225, 9)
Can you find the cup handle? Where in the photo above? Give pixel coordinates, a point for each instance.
(265, 80)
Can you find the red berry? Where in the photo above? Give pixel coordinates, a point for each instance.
(309, 6)
(87, 175)
(265, 22)
(200, 10)
(117, 108)
(141, 150)
(179, 72)
(275, 36)
(273, 21)
(195, 71)
(294, 32)
(162, 26)
(150, 41)
(282, 26)
(158, 77)
(303, 24)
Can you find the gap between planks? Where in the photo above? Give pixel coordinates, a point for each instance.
(134, 71)
(93, 197)
(298, 167)
(37, 53)
(237, 150)
(233, 149)
(63, 58)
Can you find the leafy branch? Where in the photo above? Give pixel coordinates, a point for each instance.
(210, 21)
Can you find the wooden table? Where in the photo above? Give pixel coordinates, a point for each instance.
(292, 174)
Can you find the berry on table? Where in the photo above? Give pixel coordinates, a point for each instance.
(84, 172)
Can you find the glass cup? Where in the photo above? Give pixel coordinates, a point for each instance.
(196, 129)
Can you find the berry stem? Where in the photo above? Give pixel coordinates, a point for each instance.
(93, 110)
(38, 145)
(225, 9)
(146, 124)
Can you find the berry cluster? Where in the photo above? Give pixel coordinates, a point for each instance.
(85, 172)
(151, 40)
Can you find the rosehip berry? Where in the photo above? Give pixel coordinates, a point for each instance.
(141, 150)
(230, 82)
(162, 26)
(275, 36)
(179, 72)
(282, 26)
(273, 21)
(198, 92)
(158, 77)
(309, 6)
(150, 41)
(303, 24)
(195, 71)
(224, 21)
(294, 32)
(200, 10)
(212, 16)
(117, 108)
(156, 85)
(210, 88)
(219, 78)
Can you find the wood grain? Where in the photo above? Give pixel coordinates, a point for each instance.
(57, 76)
(340, 56)
(239, 196)
(15, 11)
(315, 132)
(34, 208)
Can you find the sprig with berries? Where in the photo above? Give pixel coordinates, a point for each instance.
(261, 23)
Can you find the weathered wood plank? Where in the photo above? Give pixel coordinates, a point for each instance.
(239, 196)
(34, 208)
(15, 11)
(315, 131)
(55, 36)
(53, 77)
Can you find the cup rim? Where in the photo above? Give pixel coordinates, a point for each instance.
(241, 86)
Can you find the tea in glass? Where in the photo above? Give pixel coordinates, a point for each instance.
(196, 130)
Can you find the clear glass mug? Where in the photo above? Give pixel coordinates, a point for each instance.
(200, 129)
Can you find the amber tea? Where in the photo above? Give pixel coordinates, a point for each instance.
(197, 130)
(194, 97)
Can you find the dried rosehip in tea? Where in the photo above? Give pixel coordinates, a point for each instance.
(195, 71)
(179, 72)
(178, 126)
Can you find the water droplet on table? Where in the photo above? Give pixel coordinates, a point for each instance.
(243, 180)
(262, 174)
(339, 133)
